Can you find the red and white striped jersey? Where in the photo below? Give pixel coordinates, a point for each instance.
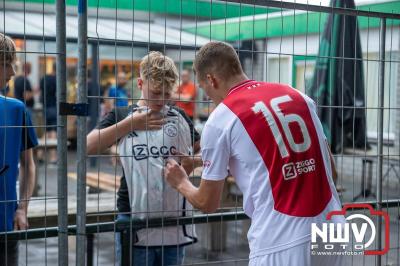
(270, 138)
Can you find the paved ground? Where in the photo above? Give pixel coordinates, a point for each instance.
(44, 251)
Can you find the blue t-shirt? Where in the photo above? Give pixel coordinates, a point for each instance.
(120, 94)
(15, 137)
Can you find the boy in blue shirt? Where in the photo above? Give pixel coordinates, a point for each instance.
(17, 138)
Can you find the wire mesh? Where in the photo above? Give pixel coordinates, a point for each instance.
(276, 41)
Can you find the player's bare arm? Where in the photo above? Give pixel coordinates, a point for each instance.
(27, 184)
(333, 166)
(206, 197)
(98, 140)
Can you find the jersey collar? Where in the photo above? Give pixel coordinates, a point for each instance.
(239, 85)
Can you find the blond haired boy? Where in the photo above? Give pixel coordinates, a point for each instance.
(149, 132)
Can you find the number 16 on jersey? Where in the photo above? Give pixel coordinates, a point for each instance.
(284, 120)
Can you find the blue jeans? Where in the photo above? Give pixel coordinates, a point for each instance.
(151, 256)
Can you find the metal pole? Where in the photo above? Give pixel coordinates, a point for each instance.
(381, 101)
(94, 90)
(315, 8)
(81, 139)
(90, 253)
(62, 179)
(125, 242)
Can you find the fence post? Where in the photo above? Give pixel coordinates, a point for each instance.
(81, 136)
(94, 90)
(62, 181)
(381, 102)
(90, 250)
(126, 235)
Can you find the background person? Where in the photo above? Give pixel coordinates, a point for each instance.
(117, 92)
(116, 96)
(185, 95)
(23, 89)
(48, 89)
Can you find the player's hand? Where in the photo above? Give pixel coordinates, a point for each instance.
(146, 120)
(188, 162)
(174, 173)
(20, 220)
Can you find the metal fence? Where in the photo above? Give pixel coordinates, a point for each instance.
(76, 201)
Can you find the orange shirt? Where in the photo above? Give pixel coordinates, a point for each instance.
(187, 90)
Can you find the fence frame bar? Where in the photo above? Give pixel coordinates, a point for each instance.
(124, 224)
(381, 103)
(81, 136)
(315, 8)
(62, 178)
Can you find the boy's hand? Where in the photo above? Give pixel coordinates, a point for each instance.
(20, 220)
(146, 120)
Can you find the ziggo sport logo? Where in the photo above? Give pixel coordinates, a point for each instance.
(337, 236)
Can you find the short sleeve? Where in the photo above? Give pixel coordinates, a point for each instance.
(215, 152)
(116, 115)
(108, 120)
(28, 86)
(29, 138)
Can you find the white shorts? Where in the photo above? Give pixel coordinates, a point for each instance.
(299, 255)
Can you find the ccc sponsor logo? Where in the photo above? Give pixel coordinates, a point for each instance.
(142, 151)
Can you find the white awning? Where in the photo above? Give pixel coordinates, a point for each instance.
(37, 26)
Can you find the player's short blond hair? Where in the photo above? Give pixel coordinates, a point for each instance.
(7, 49)
(217, 58)
(160, 70)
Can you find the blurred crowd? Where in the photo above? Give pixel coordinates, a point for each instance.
(116, 89)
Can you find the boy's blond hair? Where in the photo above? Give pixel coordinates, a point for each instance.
(160, 70)
(217, 58)
(7, 49)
